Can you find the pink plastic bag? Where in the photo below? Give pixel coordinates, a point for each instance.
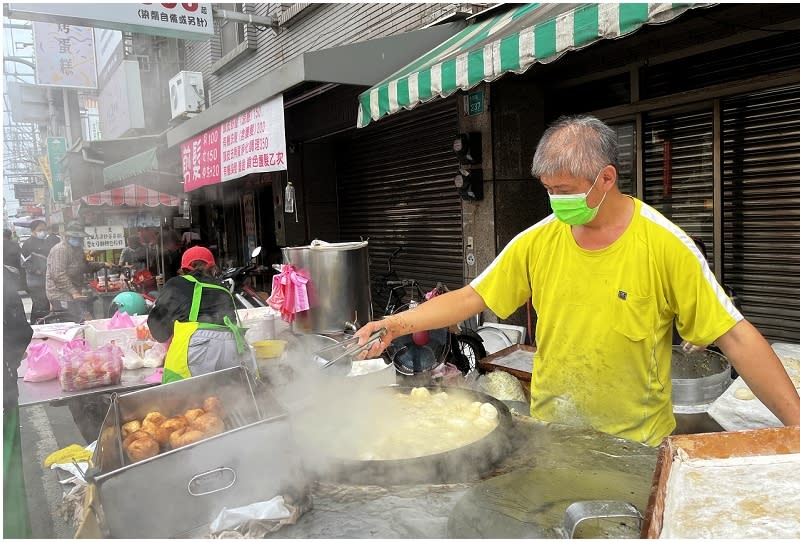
(42, 363)
(289, 293)
(121, 320)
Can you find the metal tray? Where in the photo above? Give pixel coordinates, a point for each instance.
(180, 490)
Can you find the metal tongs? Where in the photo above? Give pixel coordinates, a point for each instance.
(350, 351)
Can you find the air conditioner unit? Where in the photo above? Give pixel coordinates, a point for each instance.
(186, 93)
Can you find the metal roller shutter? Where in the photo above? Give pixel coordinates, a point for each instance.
(678, 172)
(396, 188)
(761, 183)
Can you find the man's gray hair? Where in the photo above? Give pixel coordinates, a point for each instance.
(578, 145)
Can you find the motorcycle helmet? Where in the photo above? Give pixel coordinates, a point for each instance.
(129, 302)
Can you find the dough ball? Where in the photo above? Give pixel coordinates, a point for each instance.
(744, 394)
(130, 427)
(155, 418)
(488, 411)
(194, 413)
(420, 393)
(142, 448)
(214, 405)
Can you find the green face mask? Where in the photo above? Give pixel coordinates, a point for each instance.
(572, 209)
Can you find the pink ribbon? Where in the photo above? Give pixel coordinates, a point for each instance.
(289, 293)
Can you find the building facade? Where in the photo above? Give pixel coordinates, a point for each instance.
(704, 99)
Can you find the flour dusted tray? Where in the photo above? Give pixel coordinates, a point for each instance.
(741, 484)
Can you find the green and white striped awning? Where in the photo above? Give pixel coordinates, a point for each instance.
(509, 42)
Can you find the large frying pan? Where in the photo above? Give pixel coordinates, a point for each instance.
(468, 462)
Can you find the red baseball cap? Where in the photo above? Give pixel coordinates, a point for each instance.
(197, 254)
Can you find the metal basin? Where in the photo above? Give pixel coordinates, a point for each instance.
(698, 378)
(460, 464)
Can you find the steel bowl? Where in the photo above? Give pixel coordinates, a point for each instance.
(698, 378)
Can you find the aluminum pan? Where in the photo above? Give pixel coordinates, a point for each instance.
(180, 490)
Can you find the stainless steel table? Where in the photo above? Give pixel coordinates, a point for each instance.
(34, 393)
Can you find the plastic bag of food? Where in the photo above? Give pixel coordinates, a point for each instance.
(143, 353)
(42, 363)
(83, 367)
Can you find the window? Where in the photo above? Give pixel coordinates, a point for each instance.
(626, 176)
(235, 39)
(231, 33)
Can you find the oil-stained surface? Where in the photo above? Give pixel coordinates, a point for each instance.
(525, 496)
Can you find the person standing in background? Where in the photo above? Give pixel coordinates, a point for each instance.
(17, 334)
(35, 250)
(66, 266)
(11, 250)
(135, 254)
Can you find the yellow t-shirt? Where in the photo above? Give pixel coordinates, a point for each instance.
(604, 327)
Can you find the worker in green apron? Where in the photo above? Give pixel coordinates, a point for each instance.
(197, 314)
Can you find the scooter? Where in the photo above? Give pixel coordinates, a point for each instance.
(234, 279)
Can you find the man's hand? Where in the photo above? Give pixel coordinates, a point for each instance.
(78, 296)
(380, 345)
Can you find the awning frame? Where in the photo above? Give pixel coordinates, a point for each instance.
(512, 41)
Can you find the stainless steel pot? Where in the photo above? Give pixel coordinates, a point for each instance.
(460, 464)
(180, 490)
(338, 289)
(698, 378)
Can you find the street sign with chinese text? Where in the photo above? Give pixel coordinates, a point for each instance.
(56, 149)
(184, 21)
(64, 55)
(251, 142)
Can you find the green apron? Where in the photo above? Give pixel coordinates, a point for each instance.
(176, 363)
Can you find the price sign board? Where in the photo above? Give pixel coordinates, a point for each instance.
(104, 237)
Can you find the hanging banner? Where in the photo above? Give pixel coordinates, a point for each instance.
(64, 55)
(252, 142)
(104, 237)
(56, 149)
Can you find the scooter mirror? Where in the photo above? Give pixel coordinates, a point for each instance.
(256, 252)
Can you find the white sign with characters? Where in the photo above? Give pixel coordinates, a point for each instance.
(190, 21)
(65, 55)
(104, 237)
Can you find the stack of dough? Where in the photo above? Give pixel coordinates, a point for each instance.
(145, 438)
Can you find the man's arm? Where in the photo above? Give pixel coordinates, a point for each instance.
(761, 369)
(441, 311)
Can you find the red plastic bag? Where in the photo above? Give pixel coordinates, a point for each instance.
(42, 363)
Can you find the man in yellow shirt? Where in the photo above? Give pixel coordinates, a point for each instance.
(607, 275)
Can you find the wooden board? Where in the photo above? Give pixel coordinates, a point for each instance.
(772, 441)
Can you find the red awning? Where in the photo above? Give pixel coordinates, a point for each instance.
(132, 195)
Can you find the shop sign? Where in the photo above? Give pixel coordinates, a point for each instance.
(120, 102)
(184, 21)
(252, 142)
(104, 237)
(56, 149)
(29, 194)
(64, 55)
